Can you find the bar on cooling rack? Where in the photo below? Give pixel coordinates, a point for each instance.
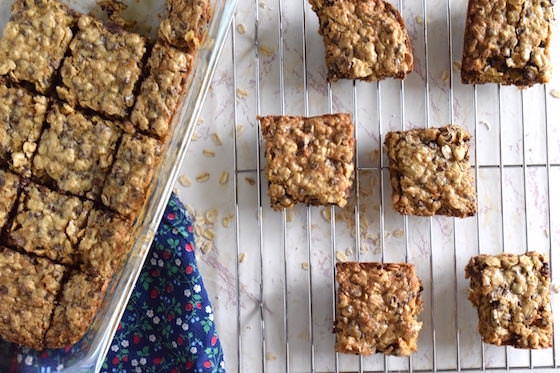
(309, 160)
(512, 295)
(430, 171)
(364, 39)
(507, 42)
(28, 289)
(377, 308)
(35, 41)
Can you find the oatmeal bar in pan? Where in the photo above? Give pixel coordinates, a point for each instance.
(21, 119)
(430, 171)
(9, 185)
(377, 308)
(103, 68)
(28, 289)
(507, 42)
(512, 296)
(34, 41)
(309, 160)
(364, 39)
(162, 90)
(186, 24)
(75, 151)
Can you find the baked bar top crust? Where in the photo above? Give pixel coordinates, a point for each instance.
(309, 160)
(103, 68)
(126, 187)
(507, 42)
(75, 152)
(74, 313)
(9, 185)
(377, 308)
(105, 244)
(186, 24)
(21, 118)
(35, 41)
(512, 295)
(48, 223)
(364, 39)
(430, 171)
(28, 288)
(161, 91)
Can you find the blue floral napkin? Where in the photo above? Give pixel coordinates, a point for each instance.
(168, 325)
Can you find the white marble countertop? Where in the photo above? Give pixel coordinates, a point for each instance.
(449, 321)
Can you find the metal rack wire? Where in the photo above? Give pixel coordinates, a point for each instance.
(335, 364)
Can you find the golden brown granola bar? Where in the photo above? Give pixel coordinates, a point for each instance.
(48, 223)
(35, 41)
(75, 152)
(126, 187)
(364, 39)
(105, 244)
(74, 313)
(377, 308)
(186, 24)
(507, 42)
(309, 160)
(9, 185)
(512, 296)
(28, 288)
(162, 90)
(430, 171)
(21, 119)
(103, 68)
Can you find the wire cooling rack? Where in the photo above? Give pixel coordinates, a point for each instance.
(284, 282)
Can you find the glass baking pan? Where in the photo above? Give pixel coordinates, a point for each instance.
(91, 350)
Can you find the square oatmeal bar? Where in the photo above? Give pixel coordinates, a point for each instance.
(35, 41)
(126, 187)
(103, 68)
(430, 171)
(9, 185)
(75, 151)
(512, 296)
(508, 42)
(364, 39)
(28, 290)
(161, 91)
(309, 160)
(377, 308)
(48, 223)
(76, 309)
(186, 24)
(22, 115)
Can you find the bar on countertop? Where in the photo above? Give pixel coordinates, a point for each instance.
(309, 160)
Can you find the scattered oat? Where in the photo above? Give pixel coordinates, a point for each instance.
(242, 257)
(457, 65)
(217, 139)
(241, 93)
(185, 181)
(250, 180)
(485, 124)
(349, 252)
(226, 221)
(556, 288)
(206, 247)
(305, 266)
(289, 215)
(364, 250)
(239, 129)
(199, 121)
(444, 75)
(211, 216)
(266, 51)
(224, 178)
(399, 233)
(208, 153)
(419, 20)
(209, 234)
(555, 93)
(326, 213)
(270, 356)
(196, 136)
(341, 256)
(203, 177)
(241, 28)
